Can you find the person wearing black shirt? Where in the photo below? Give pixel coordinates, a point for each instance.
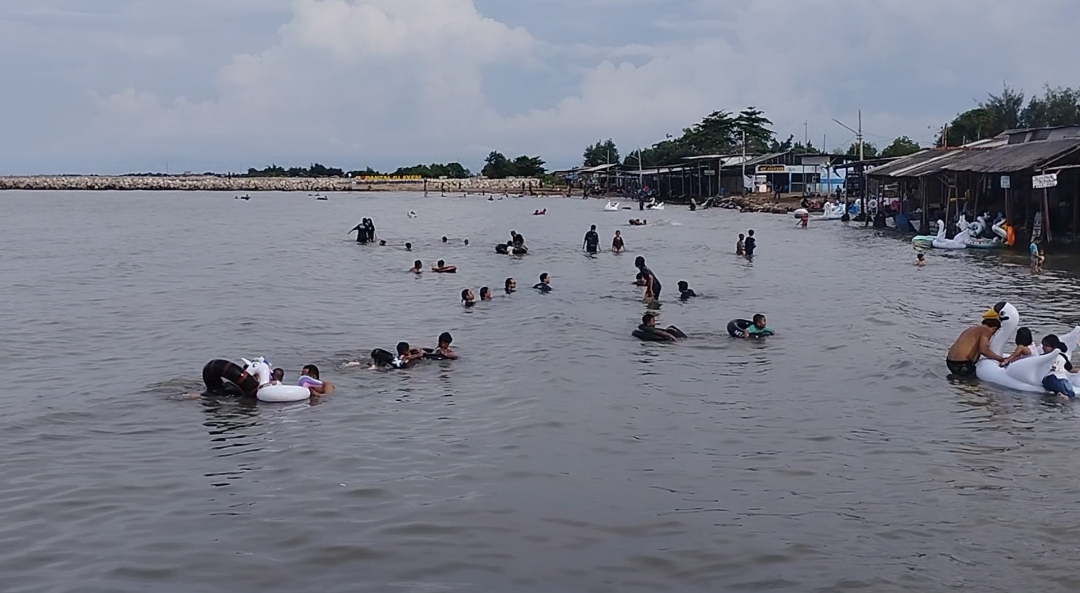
(545, 283)
(592, 240)
(751, 243)
(652, 283)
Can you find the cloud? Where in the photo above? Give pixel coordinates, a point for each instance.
(388, 82)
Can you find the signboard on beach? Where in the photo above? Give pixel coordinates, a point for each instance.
(384, 178)
(763, 169)
(1044, 181)
(1006, 183)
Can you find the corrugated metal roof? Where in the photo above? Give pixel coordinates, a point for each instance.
(925, 162)
(1014, 157)
(765, 157)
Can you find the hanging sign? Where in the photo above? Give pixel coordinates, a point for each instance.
(1044, 181)
(1006, 183)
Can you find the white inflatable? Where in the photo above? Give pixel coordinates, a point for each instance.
(801, 212)
(611, 206)
(1025, 374)
(974, 230)
(273, 392)
(960, 241)
(412, 214)
(832, 211)
(654, 205)
(999, 229)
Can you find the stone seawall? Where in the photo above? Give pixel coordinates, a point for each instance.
(250, 184)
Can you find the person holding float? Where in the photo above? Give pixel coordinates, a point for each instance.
(974, 343)
(1025, 374)
(754, 328)
(648, 331)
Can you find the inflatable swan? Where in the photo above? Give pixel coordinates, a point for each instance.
(654, 206)
(611, 206)
(1025, 374)
(939, 241)
(974, 231)
(260, 369)
(832, 211)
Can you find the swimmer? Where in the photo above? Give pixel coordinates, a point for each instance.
(467, 298)
(443, 350)
(518, 239)
(309, 377)
(277, 376)
(648, 326)
(407, 354)
(417, 267)
(1056, 380)
(382, 243)
(920, 260)
(510, 286)
(617, 243)
(750, 244)
(441, 268)
(408, 247)
(466, 242)
(592, 240)
(972, 344)
(1023, 346)
(444, 239)
(740, 246)
(545, 283)
(652, 283)
(639, 280)
(685, 291)
(485, 294)
(757, 328)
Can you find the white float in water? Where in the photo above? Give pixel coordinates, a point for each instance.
(1025, 374)
(611, 206)
(273, 392)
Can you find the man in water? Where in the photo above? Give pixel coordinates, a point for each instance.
(361, 232)
(751, 243)
(652, 283)
(685, 292)
(309, 377)
(518, 239)
(757, 328)
(510, 286)
(592, 240)
(973, 343)
(648, 326)
(617, 243)
(467, 298)
(417, 267)
(544, 284)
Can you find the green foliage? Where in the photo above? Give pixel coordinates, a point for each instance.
(434, 171)
(720, 132)
(601, 153)
(901, 146)
(1057, 107)
(315, 170)
(869, 150)
(497, 166)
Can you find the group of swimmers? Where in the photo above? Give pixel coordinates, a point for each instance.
(407, 356)
(309, 377)
(974, 343)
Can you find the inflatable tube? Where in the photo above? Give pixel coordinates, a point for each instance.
(431, 354)
(1025, 374)
(445, 270)
(520, 250)
(651, 337)
(736, 328)
(223, 377)
(273, 392)
(502, 249)
(831, 211)
(611, 206)
(383, 359)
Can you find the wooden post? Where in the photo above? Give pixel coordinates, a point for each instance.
(1046, 215)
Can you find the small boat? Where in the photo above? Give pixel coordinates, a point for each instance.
(611, 206)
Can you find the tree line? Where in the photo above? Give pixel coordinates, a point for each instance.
(432, 171)
(1007, 110)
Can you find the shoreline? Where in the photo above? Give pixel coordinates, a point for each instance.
(257, 184)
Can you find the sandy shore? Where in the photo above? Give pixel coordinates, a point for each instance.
(250, 184)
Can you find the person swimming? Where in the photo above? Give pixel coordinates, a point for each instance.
(757, 328)
(649, 329)
(417, 267)
(685, 292)
(441, 268)
(485, 294)
(545, 283)
(408, 247)
(277, 376)
(442, 351)
(310, 378)
(444, 239)
(510, 286)
(467, 298)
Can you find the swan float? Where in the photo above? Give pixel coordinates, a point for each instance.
(832, 211)
(974, 231)
(273, 392)
(654, 205)
(1025, 374)
(611, 206)
(800, 212)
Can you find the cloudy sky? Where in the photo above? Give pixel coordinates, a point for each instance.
(113, 86)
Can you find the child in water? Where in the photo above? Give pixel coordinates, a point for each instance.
(1023, 346)
(1057, 380)
(740, 246)
(467, 298)
(485, 294)
(685, 292)
(920, 260)
(417, 267)
(444, 351)
(309, 377)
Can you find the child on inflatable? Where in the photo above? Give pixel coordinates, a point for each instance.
(648, 330)
(1057, 380)
(1023, 346)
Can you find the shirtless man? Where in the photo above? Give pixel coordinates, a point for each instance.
(973, 343)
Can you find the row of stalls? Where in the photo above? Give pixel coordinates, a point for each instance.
(716, 175)
(1030, 176)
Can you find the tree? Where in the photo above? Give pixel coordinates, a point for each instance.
(1057, 107)
(869, 150)
(753, 123)
(901, 146)
(601, 153)
(715, 133)
(990, 118)
(497, 166)
(528, 166)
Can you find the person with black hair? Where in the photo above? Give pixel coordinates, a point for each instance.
(545, 283)
(974, 343)
(309, 377)
(1056, 380)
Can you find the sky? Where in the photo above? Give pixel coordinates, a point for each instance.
(120, 86)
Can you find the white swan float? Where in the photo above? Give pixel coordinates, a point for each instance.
(654, 205)
(832, 211)
(974, 229)
(273, 392)
(960, 241)
(800, 212)
(1025, 374)
(611, 206)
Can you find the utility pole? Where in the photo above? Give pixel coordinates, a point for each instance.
(806, 150)
(744, 162)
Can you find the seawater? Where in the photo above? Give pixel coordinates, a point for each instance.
(559, 453)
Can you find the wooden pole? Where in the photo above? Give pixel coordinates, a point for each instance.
(1046, 215)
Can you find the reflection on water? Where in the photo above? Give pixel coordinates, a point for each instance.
(559, 453)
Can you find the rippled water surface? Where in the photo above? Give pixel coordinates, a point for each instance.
(559, 454)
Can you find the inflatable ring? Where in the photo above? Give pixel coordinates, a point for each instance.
(520, 250)
(431, 354)
(223, 377)
(445, 270)
(736, 328)
(654, 337)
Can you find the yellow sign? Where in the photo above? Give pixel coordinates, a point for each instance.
(377, 178)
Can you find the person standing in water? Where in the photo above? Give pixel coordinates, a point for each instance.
(592, 240)
(974, 343)
(751, 243)
(617, 243)
(652, 283)
(740, 247)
